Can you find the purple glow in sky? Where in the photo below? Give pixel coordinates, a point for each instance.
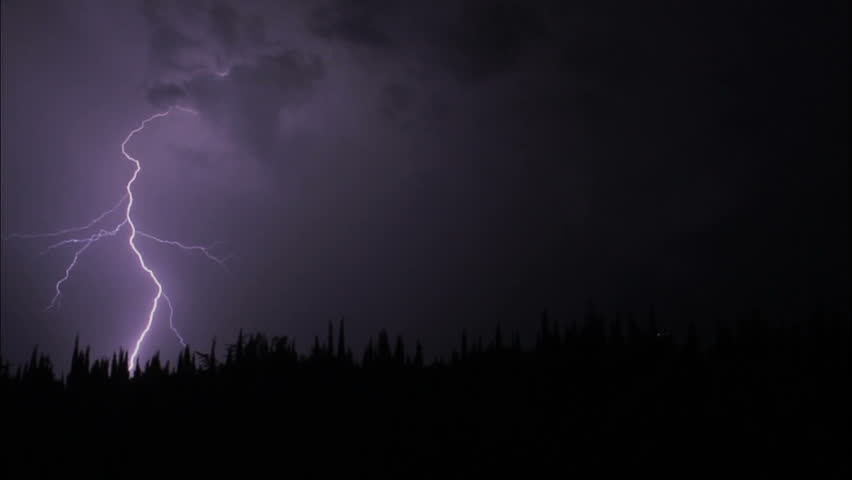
(127, 220)
(417, 166)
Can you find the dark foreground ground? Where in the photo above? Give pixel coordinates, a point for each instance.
(604, 398)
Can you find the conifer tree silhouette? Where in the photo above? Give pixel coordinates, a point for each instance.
(341, 342)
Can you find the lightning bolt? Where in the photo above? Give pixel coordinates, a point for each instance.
(87, 242)
(83, 243)
(171, 324)
(66, 231)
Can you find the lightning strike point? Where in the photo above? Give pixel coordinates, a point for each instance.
(85, 242)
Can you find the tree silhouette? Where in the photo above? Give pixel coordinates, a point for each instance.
(611, 396)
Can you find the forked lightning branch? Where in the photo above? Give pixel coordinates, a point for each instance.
(125, 222)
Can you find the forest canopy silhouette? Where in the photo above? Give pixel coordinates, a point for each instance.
(608, 395)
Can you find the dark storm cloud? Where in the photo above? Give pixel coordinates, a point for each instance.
(167, 43)
(398, 99)
(195, 36)
(249, 99)
(492, 37)
(473, 39)
(227, 69)
(224, 23)
(165, 94)
(462, 161)
(237, 34)
(359, 23)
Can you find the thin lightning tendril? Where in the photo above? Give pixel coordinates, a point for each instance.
(57, 297)
(171, 324)
(204, 250)
(86, 241)
(66, 231)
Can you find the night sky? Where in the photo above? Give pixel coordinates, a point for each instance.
(423, 166)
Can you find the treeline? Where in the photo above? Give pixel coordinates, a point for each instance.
(607, 395)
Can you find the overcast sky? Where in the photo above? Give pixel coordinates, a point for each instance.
(422, 166)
